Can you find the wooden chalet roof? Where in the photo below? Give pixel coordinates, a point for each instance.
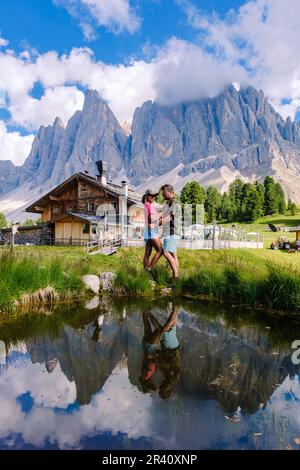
(110, 188)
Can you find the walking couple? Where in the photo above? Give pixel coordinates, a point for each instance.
(169, 218)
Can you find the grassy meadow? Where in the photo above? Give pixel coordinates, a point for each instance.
(255, 278)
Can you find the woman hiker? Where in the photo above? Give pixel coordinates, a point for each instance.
(151, 235)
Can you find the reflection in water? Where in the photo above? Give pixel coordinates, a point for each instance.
(131, 376)
(165, 358)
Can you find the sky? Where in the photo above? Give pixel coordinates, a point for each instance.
(131, 51)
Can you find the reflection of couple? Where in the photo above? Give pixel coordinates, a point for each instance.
(169, 219)
(165, 359)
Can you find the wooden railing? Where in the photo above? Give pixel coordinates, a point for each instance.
(98, 245)
(66, 241)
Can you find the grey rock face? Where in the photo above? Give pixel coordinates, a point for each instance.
(92, 134)
(57, 152)
(9, 177)
(240, 129)
(236, 129)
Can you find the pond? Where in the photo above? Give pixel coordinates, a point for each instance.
(142, 375)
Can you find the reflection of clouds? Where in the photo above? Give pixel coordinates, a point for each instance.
(118, 408)
(121, 408)
(284, 405)
(186, 421)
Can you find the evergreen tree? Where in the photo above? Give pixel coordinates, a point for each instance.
(235, 194)
(28, 222)
(291, 207)
(3, 221)
(281, 199)
(192, 193)
(251, 208)
(212, 204)
(226, 212)
(271, 205)
(260, 189)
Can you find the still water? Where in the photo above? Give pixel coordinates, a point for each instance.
(139, 375)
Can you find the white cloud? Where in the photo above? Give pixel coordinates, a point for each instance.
(59, 101)
(124, 86)
(116, 15)
(186, 72)
(14, 146)
(3, 42)
(239, 48)
(264, 36)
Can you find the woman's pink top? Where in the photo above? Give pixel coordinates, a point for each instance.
(150, 213)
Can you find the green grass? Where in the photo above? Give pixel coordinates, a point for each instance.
(29, 271)
(279, 220)
(257, 278)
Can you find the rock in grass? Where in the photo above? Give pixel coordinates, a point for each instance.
(166, 291)
(107, 281)
(91, 282)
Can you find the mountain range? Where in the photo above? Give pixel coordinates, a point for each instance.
(212, 140)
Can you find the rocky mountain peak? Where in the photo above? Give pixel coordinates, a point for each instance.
(237, 130)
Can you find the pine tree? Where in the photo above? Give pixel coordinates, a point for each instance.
(235, 194)
(3, 221)
(192, 193)
(271, 204)
(291, 207)
(251, 208)
(281, 199)
(212, 204)
(226, 212)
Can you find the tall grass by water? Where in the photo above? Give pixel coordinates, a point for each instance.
(254, 279)
(270, 286)
(26, 273)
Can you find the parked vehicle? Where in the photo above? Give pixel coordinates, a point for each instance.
(283, 244)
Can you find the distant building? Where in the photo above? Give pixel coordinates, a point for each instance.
(83, 208)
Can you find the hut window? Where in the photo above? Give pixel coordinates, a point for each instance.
(83, 187)
(86, 228)
(94, 228)
(90, 206)
(56, 210)
(70, 208)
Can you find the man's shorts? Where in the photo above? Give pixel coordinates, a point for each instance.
(170, 243)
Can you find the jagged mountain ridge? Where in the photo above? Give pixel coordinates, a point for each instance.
(213, 140)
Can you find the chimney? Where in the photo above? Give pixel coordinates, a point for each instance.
(102, 168)
(125, 188)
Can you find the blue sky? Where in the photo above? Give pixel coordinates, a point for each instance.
(51, 51)
(44, 26)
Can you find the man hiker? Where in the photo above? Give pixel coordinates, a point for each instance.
(171, 223)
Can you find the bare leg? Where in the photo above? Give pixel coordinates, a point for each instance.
(147, 325)
(148, 250)
(159, 251)
(172, 263)
(171, 321)
(176, 262)
(154, 321)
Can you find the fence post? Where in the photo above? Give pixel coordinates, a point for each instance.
(214, 236)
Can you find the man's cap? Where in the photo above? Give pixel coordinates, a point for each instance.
(151, 192)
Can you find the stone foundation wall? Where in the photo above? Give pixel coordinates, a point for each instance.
(34, 235)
